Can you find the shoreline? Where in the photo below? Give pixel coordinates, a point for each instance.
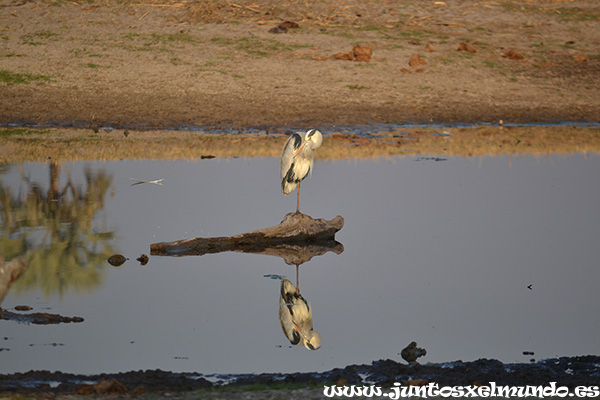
(565, 371)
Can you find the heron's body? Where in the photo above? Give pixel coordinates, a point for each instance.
(295, 316)
(297, 159)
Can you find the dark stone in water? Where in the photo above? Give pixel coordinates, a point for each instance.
(143, 259)
(117, 259)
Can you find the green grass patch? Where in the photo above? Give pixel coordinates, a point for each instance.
(356, 87)
(174, 38)
(44, 34)
(221, 41)
(8, 55)
(33, 39)
(17, 77)
(258, 46)
(576, 14)
(338, 33)
(368, 28)
(159, 42)
(491, 64)
(447, 60)
(8, 132)
(92, 65)
(413, 33)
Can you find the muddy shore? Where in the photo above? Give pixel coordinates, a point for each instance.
(566, 371)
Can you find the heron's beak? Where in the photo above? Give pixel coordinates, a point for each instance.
(300, 150)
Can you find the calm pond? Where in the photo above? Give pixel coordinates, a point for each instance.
(471, 257)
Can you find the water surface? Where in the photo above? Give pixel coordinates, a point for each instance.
(469, 257)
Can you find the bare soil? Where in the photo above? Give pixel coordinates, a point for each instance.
(182, 63)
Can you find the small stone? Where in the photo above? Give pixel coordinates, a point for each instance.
(143, 259)
(411, 352)
(462, 46)
(513, 55)
(117, 259)
(416, 60)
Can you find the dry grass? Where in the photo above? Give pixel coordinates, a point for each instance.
(28, 144)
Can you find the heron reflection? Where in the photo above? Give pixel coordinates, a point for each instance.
(295, 316)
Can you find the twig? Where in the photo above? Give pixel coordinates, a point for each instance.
(448, 24)
(246, 7)
(156, 182)
(162, 5)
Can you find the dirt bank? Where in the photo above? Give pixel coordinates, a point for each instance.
(173, 63)
(569, 372)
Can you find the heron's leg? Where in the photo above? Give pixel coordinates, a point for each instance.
(297, 280)
(298, 199)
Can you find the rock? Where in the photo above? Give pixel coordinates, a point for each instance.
(143, 259)
(411, 352)
(117, 259)
(358, 53)
(416, 60)
(289, 25)
(344, 56)
(278, 29)
(428, 47)
(462, 46)
(85, 390)
(109, 387)
(362, 53)
(580, 58)
(284, 26)
(513, 55)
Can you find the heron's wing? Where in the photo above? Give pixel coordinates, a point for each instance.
(287, 154)
(286, 317)
(297, 307)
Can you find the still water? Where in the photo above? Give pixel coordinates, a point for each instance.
(469, 257)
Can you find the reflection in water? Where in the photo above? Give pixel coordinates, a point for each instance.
(52, 229)
(9, 273)
(295, 315)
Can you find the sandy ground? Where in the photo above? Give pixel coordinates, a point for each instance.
(176, 63)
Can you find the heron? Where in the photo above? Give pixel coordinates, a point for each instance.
(297, 160)
(295, 316)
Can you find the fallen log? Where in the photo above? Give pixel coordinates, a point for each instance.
(296, 239)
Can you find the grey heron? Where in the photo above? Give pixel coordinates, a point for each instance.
(297, 160)
(295, 316)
